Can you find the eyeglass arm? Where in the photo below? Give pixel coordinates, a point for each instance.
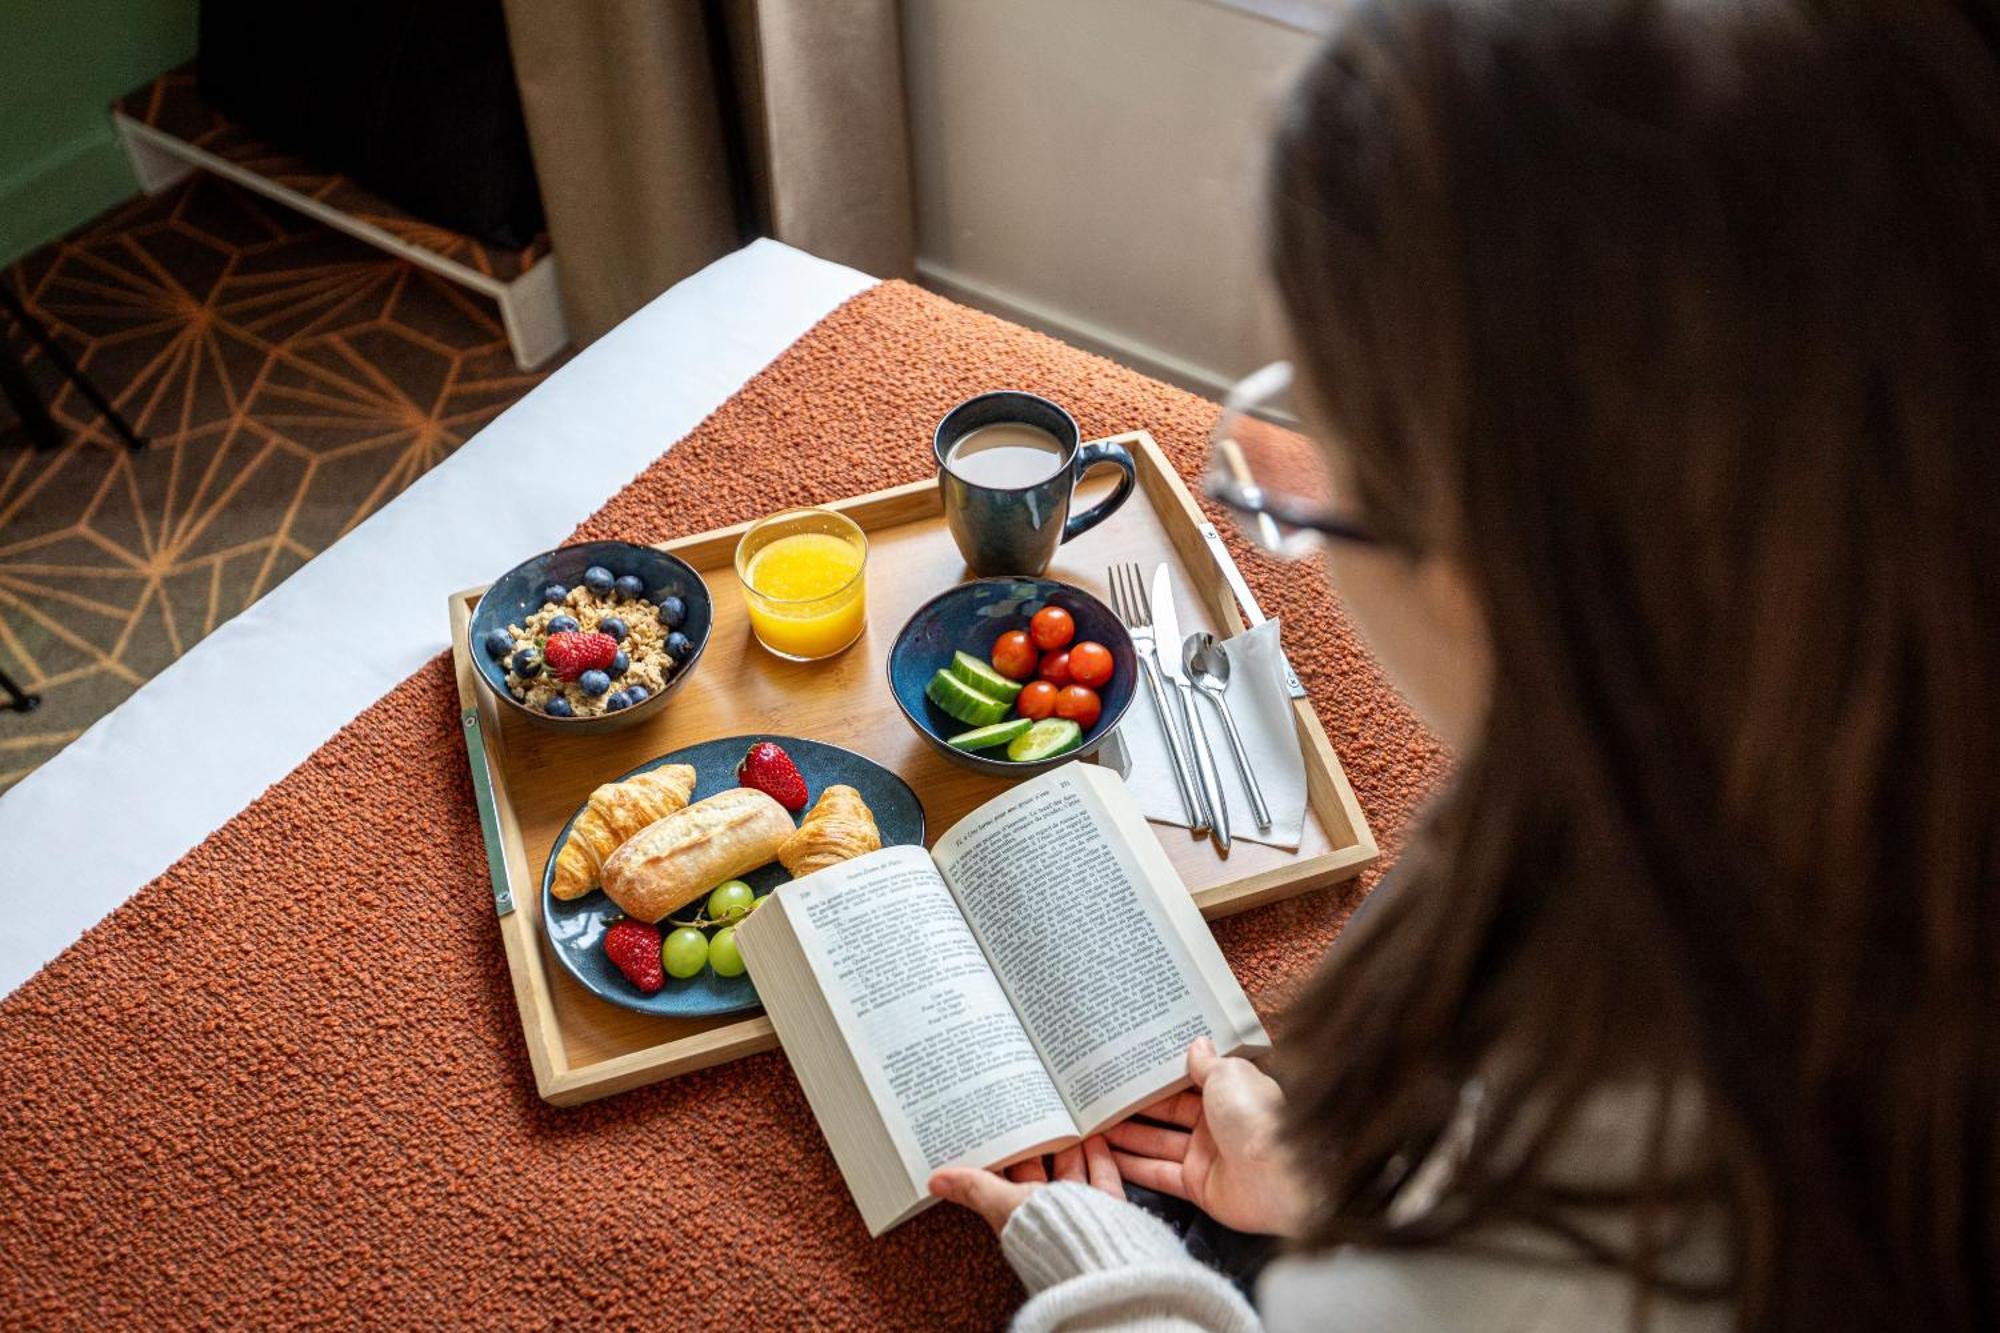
(1252, 500)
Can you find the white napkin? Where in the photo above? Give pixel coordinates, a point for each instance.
(1263, 713)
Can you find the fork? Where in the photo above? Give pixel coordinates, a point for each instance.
(1128, 599)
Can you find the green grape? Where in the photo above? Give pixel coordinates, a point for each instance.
(761, 899)
(723, 955)
(730, 900)
(684, 953)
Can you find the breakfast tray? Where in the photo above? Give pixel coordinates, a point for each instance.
(530, 779)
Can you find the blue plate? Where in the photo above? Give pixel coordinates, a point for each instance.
(970, 617)
(576, 927)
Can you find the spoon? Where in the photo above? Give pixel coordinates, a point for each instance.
(1208, 667)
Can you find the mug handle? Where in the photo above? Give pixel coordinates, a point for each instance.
(1088, 457)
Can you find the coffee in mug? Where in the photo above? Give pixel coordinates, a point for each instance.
(1008, 466)
(1006, 455)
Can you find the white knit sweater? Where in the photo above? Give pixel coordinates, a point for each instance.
(1091, 1262)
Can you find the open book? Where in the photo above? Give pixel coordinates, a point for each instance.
(1034, 978)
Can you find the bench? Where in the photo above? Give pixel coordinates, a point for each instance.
(168, 130)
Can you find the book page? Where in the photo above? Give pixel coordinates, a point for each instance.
(1095, 939)
(943, 1054)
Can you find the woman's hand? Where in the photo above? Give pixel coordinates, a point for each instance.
(995, 1197)
(1217, 1146)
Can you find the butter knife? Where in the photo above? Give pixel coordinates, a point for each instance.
(1167, 632)
(1253, 615)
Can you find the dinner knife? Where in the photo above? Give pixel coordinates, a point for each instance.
(1167, 634)
(1253, 615)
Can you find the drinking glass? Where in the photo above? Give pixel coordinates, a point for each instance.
(805, 582)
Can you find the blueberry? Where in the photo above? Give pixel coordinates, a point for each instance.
(631, 585)
(554, 595)
(637, 693)
(621, 663)
(499, 643)
(673, 612)
(613, 626)
(594, 683)
(558, 707)
(527, 664)
(679, 646)
(598, 579)
(563, 625)
(616, 702)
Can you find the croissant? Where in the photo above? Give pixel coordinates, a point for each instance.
(839, 827)
(615, 812)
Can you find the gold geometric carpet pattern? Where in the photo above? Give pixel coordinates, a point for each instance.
(290, 379)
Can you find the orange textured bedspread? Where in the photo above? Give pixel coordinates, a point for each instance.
(285, 1083)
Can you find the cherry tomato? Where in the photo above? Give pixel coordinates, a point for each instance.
(1013, 656)
(1055, 667)
(1090, 664)
(1052, 628)
(1079, 705)
(1038, 700)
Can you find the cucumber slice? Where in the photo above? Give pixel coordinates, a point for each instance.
(984, 678)
(1045, 740)
(985, 738)
(963, 702)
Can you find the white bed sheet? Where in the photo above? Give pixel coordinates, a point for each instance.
(205, 737)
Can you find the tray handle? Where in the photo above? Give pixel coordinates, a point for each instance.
(489, 817)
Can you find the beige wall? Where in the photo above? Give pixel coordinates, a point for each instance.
(1091, 167)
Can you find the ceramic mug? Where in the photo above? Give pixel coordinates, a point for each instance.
(1016, 529)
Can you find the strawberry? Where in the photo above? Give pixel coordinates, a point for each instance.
(771, 771)
(570, 653)
(634, 948)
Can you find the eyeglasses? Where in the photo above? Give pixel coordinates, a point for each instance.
(1270, 476)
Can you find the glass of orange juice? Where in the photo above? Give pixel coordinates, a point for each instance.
(804, 574)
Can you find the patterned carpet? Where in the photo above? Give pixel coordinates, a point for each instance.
(291, 381)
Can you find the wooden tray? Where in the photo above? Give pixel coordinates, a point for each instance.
(530, 779)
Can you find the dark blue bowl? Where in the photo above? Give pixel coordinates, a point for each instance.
(518, 593)
(576, 928)
(970, 617)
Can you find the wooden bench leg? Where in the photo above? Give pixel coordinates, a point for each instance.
(531, 309)
(156, 168)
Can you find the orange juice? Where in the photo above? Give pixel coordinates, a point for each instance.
(803, 583)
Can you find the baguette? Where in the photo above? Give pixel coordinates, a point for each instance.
(673, 861)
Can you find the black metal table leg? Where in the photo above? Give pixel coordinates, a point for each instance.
(18, 699)
(70, 371)
(27, 401)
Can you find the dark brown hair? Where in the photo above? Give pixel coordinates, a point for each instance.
(1677, 326)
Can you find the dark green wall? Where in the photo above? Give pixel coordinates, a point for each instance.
(61, 64)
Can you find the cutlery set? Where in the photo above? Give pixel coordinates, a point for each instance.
(1179, 668)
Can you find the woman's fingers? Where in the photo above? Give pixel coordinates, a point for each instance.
(1030, 1172)
(1145, 1140)
(1183, 1109)
(1103, 1171)
(1201, 1060)
(1152, 1173)
(1069, 1164)
(993, 1197)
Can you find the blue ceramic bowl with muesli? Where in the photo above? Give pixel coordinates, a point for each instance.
(653, 604)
